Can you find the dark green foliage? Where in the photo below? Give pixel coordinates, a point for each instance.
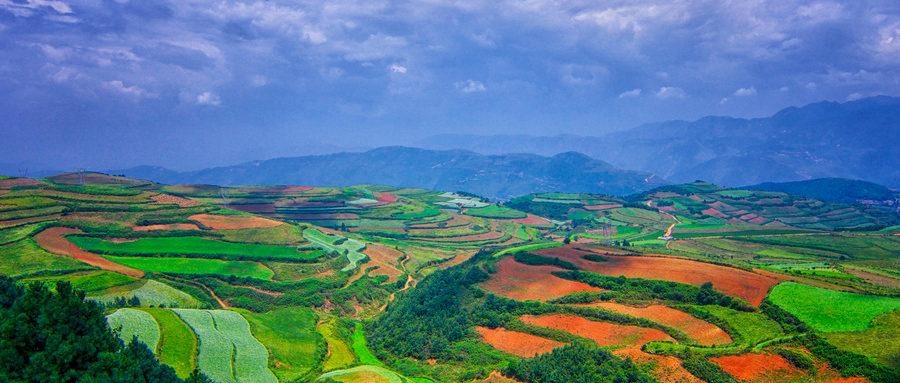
(578, 363)
(48, 336)
(539, 260)
(557, 211)
(705, 370)
(787, 320)
(595, 257)
(625, 288)
(849, 363)
(796, 358)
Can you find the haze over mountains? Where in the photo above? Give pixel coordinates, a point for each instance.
(855, 140)
(498, 177)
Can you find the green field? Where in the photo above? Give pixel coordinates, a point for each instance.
(128, 323)
(533, 246)
(360, 348)
(340, 355)
(214, 356)
(754, 328)
(25, 257)
(196, 266)
(495, 211)
(150, 293)
(355, 374)
(874, 341)
(251, 359)
(349, 247)
(831, 311)
(190, 246)
(89, 281)
(178, 344)
(290, 334)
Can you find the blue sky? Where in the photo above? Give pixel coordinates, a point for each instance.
(194, 83)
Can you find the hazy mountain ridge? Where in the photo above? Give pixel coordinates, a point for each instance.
(850, 140)
(493, 176)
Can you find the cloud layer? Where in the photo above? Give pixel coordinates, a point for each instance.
(214, 81)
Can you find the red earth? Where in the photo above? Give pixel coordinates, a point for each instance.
(517, 343)
(605, 334)
(224, 222)
(703, 332)
(53, 241)
(523, 282)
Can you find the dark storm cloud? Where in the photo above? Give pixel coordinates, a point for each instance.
(186, 76)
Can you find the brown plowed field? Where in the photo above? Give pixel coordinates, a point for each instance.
(531, 220)
(751, 366)
(748, 286)
(465, 238)
(605, 334)
(13, 182)
(517, 343)
(386, 260)
(163, 199)
(874, 278)
(714, 213)
(53, 241)
(703, 332)
(386, 197)
(223, 222)
(667, 369)
(171, 226)
(522, 282)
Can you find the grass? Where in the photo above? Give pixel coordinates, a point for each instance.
(530, 247)
(90, 281)
(251, 359)
(25, 257)
(152, 293)
(357, 374)
(753, 327)
(495, 211)
(831, 311)
(340, 354)
(360, 348)
(282, 235)
(878, 342)
(178, 344)
(349, 247)
(290, 335)
(215, 354)
(196, 266)
(14, 234)
(130, 322)
(191, 246)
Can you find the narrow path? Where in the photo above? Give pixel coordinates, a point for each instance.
(409, 281)
(259, 290)
(213, 294)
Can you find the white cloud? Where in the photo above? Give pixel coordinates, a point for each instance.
(723, 100)
(668, 92)
(209, 98)
(397, 69)
(470, 86)
(854, 96)
(120, 87)
(819, 12)
(630, 93)
(784, 89)
(26, 9)
(259, 80)
(744, 92)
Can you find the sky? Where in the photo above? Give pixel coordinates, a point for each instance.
(189, 84)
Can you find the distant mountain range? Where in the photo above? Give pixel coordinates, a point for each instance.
(857, 139)
(838, 190)
(498, 177)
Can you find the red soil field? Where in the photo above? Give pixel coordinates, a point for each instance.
(748, 286)
(4, 191)
(721, 206)
(522, 282)
(328, 216)
(667, 369)
(735, 221)
(696, 198)
(603, 207)
(758, 220)
(531, 220)
(517, 343)
(465, 238)
(254, 207)
(171, 226)
(13, 182)
(53, 241)
(738, 212)
(669, 209)
(704, 332)
(386, 260)
(386, 197)
(162, 199)
(22, 221)
(605, 334)
(751, 366)
(222, 222)
(747, 217)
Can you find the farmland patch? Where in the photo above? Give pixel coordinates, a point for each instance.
(518, 281)
(701, 331)
(517, 343)
(196, 266)
(605, 334)
(128, 323)
(151, 293)
(178, 344)
(222, 222)
(52, 240)
(844, 312)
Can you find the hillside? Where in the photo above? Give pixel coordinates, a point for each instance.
(837, 190)
(498, 177)
(850, 140)
(385, 284)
